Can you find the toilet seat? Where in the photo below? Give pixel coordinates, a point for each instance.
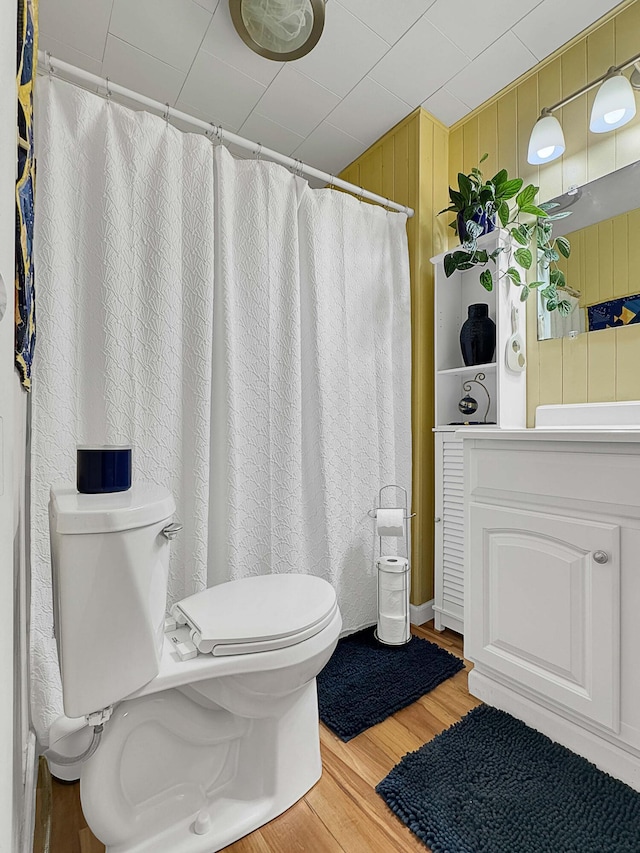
(255, 614)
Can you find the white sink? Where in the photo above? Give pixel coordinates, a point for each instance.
(625, 415)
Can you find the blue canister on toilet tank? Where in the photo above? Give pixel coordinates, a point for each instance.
(103, 469)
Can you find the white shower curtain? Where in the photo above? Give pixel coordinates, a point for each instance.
(124, 218)
(311, 380)
(274, 404)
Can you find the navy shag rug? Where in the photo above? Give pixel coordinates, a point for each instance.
(365, 682)
(491, 784)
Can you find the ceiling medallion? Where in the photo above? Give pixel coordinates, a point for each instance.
(279, 29)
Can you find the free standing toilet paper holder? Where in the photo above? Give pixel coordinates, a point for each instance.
(373, 513)
(382, 572)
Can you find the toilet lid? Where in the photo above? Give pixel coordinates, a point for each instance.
(267, 611)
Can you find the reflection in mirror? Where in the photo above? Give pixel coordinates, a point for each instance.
(603, 271)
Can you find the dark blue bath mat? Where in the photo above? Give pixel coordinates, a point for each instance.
(490, 784)
(365, 682)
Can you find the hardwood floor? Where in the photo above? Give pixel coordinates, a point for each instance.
(342, 813)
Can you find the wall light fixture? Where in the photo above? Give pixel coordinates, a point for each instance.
(613, 107)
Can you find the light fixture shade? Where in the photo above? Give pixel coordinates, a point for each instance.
(279, 29)
(615, 105)
(546, 142)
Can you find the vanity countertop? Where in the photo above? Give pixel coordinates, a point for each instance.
(608, 434)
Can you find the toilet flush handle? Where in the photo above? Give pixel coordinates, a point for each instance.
(171, 530)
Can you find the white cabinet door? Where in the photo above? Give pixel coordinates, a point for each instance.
(449, 532)
(545, 613)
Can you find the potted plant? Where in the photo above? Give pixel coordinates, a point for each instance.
(478, 203)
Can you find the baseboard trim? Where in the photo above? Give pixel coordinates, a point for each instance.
(604, 754)
(421, 613)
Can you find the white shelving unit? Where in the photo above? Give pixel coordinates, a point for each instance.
(508, 393)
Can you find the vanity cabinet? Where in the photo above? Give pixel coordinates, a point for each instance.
(449, 531)
(505, 406)
(552, 585)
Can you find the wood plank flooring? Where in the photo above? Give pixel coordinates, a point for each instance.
(342, 813)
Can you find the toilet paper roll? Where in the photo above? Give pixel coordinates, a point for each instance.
(390, 630)
(390, 522)
(397, 565)
(392, 581)
(392, 603)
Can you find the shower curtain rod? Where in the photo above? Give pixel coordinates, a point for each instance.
(72, 74)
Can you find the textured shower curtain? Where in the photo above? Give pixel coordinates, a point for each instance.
(270, 394)
(124, 223)
(311, 379)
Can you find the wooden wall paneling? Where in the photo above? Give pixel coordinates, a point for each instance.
(440, 186)
(402, 163)
(622, 282)
(388, 168)
(371, 170)
(574, 369)
(421, 390)
(601, 366)
(627, 27)
(455, 165)
(488, 140)
(574, 118)
(456, 155)
(470, 152)
(634, 251)
(627, 373)
(627, 31)
(528, 110)
(352, 174)
(601, 147)
(550, 372)
(605, 261)
(591, 246)
(507, 107)
(549, 92)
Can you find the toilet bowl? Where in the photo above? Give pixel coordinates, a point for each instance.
(214, 716)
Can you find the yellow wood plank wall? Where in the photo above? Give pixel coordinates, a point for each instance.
(602, 365)
(409, 165)
(605, 259)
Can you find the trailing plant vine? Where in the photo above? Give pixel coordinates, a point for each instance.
(477, 203)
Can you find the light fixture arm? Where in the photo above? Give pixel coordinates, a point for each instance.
(615, 69)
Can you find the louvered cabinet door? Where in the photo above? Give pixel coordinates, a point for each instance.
(449, 532)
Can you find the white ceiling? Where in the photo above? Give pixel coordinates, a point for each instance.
(377, 60)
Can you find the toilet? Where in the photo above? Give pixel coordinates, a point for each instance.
(211, 713)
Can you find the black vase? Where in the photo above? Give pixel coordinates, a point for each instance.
(478, 336)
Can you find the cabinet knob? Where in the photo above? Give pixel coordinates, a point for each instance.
(437, 519)
(601, 557)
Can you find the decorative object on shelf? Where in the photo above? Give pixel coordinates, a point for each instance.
(477, 380)
(478, 335)
(516, 359)
(614, 106)
(468, 405)
(281, 30)
(476, 202)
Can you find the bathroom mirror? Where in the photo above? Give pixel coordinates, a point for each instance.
(603, 272)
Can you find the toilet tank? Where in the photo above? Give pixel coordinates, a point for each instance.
(110, 566)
